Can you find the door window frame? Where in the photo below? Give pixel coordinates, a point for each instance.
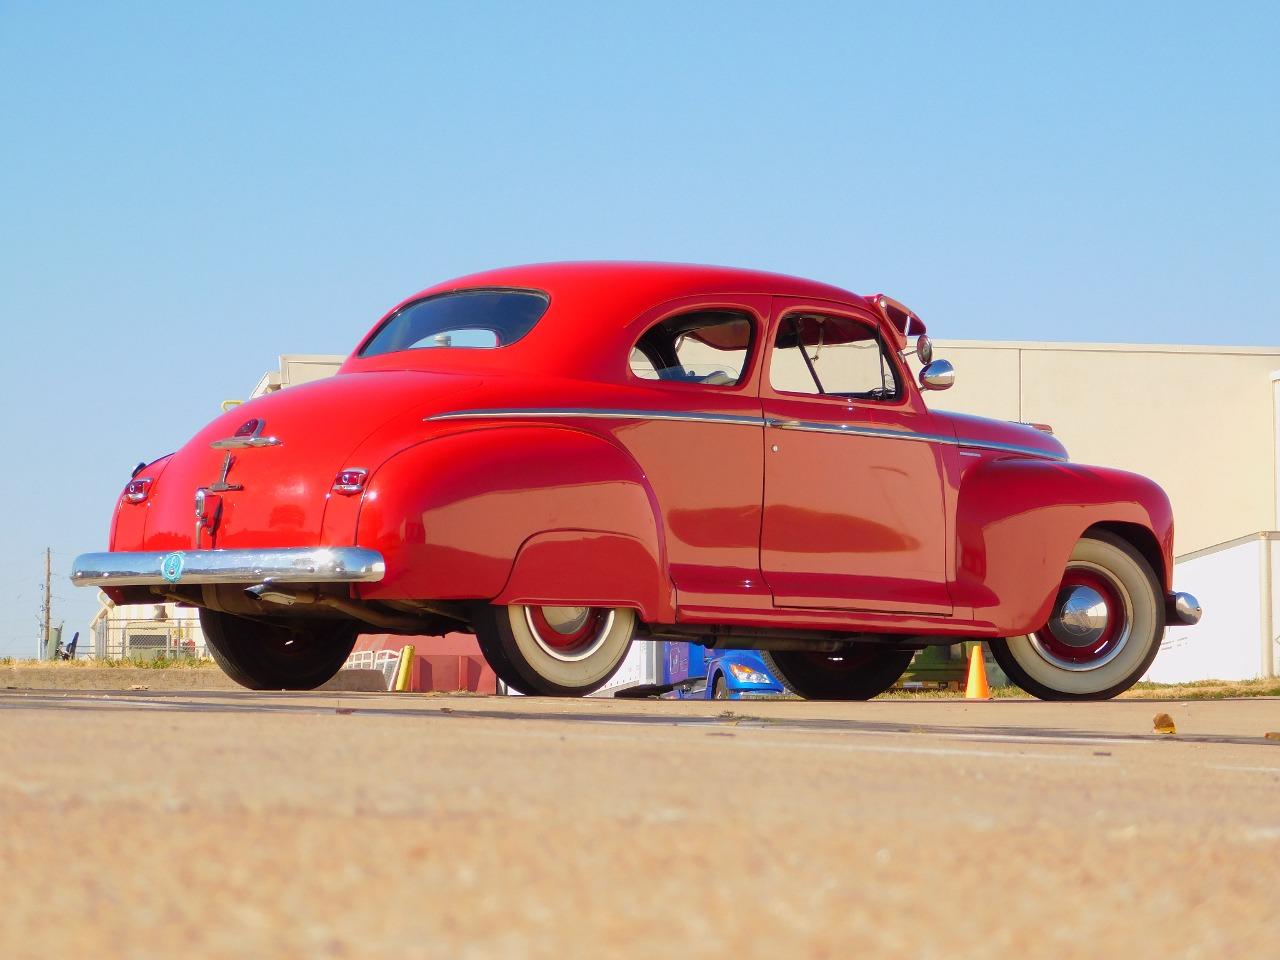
(905, 400)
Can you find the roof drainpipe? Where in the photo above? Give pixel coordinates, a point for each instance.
(1267, 599)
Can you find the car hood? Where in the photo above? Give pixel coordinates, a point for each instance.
(981, 431)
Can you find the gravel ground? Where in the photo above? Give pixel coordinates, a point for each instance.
(363, 825)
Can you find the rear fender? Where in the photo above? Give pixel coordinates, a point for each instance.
(517, 513)
(594, 567)
(129, 521)
(1017, 521)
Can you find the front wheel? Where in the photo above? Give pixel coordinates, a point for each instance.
(1104, 629)
(554, 651)
(860, 672)
(277, 656)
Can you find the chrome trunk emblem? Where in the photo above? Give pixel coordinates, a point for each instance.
(220, 485)
(249, 435)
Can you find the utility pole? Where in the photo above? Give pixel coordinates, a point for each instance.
(48, 602)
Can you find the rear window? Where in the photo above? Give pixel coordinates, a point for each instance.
(477, 319)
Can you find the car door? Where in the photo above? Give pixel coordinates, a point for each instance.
(693, 375)
(855, 465)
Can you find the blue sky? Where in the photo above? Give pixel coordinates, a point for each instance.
(189, 190)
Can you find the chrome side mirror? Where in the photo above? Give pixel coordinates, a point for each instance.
(937, 375)
(924, 349)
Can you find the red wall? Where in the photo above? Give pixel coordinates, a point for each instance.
(449, 663)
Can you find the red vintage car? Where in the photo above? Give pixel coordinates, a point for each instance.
(565, 457)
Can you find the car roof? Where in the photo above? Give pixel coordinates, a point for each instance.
(652, 282)
(591, 304)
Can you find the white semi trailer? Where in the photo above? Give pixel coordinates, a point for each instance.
(1238, 582)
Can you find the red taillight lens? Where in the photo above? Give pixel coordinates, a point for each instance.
(350, 482)
(137, 489)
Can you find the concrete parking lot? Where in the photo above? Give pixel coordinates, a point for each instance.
(233, 824)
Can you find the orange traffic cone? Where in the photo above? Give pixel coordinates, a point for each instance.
(977, 687)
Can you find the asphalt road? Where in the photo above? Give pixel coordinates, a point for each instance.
(232, 824)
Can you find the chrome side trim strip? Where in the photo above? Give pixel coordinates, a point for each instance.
(807, 426)
(598, 414)
(883, 432)
(1010, 448)
(282, 565)
(860, 431)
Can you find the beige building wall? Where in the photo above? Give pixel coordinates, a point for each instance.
(1201, 421)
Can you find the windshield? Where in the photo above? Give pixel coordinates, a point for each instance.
(477, 319)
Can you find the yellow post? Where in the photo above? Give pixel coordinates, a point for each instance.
(404, 669)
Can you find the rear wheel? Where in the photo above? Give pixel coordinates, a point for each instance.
(1103, 632)
(554, 651)
(275, 656)
(858, 673)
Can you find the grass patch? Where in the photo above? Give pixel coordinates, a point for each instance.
(1205, 690)
(1197, 690)
(997, 693)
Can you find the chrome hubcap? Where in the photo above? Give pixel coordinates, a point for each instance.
(1091, 620)
(1079, 617)
(567, 620)
(569, 634)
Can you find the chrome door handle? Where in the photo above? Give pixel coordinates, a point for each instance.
(785, 424)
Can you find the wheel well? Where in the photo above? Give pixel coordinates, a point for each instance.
(1141, 539)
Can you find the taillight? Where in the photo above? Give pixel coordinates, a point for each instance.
(137, 489)
(350, 482)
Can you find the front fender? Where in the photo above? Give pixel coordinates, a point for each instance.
(1017, 521)
(530, 512)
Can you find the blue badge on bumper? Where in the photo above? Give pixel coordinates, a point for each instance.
(171, 567)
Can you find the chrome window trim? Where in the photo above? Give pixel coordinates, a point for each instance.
(807, 426)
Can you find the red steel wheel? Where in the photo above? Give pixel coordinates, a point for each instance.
(569, 633)
(1091, 620)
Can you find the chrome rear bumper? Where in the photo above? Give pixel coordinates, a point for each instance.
(283, 565)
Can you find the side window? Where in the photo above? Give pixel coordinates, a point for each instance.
(831, 356)
(705, 346)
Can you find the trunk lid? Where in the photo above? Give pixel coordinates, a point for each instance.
(274, 491)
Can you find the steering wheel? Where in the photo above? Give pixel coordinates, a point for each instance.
(720, 378)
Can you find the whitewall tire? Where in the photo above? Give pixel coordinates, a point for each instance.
(1104, 629)
(558, 651)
